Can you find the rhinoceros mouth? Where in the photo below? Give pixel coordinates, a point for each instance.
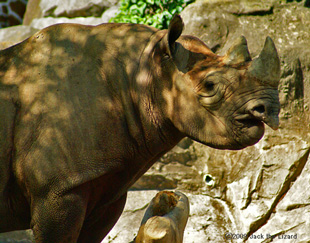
(249, 130)
(249, 121)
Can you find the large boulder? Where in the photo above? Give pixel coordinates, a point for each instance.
(42, 13)
(12, 35)
(66, 8)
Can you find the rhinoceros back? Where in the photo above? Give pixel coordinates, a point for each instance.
(72, 83)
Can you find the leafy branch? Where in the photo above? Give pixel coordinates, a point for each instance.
(156, 13)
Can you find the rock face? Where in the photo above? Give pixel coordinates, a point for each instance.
(42, 13)
(261, 193)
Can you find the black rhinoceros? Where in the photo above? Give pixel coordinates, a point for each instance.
(86, 110)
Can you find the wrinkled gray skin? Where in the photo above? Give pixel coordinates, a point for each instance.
(85, 111)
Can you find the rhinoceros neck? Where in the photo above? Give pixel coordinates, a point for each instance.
(7, 69)
(149, 123)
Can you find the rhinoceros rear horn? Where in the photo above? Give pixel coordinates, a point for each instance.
(238, 53)
(266, 67)
(174, 30)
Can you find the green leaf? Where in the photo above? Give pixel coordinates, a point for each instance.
(157, 2)
(157, 13)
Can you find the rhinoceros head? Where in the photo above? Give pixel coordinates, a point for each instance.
(221, 101)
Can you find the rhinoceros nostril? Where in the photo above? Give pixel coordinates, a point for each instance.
(259, 109)
(267, 114)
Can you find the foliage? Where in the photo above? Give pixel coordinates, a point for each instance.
(156, 13)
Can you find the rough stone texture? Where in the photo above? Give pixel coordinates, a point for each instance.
(42, 13)
(261, 190)
(257, 188)
(40, 23)
(198, 227)
(71, 9)
(15, 34)
(66, 8)
(17, 237)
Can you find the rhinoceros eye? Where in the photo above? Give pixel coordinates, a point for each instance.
(209, 86)
(212, 90)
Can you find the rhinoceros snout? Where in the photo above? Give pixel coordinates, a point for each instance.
(266, 112)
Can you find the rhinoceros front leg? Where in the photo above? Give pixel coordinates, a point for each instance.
(59, 218)
(101, 220)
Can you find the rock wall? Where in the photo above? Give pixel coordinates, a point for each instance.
(261, 193)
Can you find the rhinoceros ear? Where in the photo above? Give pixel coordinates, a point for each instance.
(174, 31)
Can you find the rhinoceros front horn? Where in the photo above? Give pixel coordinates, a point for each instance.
(266, 67)
(238, 53)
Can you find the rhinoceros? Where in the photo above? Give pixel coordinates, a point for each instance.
(86, 110)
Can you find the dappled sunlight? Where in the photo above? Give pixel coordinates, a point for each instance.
(96, 106)
(72, 98)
